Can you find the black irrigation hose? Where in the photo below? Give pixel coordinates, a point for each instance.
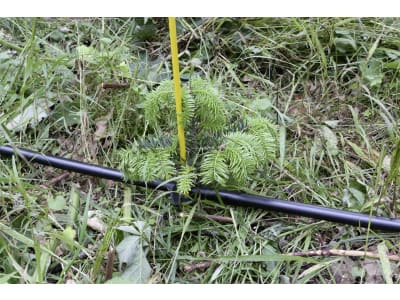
(240, 199)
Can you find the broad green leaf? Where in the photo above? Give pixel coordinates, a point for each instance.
(372, 72)
(345, 44)
(139, 271)
(261, 105)
(331, 140)
(57, 203)
(358, 195)
(87, 53)
(385, 263)
(150, 70)
(354, 196)
(395, 64)
(332, 123)
(269, 250)
(124, 70)
(132, 253)
(68, 236)
(347, 199)
(128, 249)
(139, 228)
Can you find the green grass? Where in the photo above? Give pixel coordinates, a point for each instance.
(331, 84)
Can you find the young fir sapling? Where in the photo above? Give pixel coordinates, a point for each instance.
(222, 151)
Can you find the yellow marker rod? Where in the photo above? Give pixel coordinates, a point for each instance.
(177, 85)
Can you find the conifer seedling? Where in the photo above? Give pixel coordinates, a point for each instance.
(226, 147)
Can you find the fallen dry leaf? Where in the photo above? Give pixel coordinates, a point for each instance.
(70, 281)
(96, 224)
(101, 129)
(102, 126)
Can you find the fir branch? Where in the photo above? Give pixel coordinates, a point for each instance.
(242, 151)
(158, 141)
(149, 165)
(209, 107)
(186, 179)
(214, 168)
(130, 161)
(157, 165)
(266, 133)
(159, 106)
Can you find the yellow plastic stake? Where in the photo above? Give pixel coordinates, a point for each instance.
(177, 85)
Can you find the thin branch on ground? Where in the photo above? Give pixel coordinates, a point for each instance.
(196, 266)
(217, 218)
(57, 179)
(338, 252)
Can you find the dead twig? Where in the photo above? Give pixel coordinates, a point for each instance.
(57, 179)
(110, 264)
(196, 266)
(349, 253)
(221, 219)
(115, 85)
(217, 218)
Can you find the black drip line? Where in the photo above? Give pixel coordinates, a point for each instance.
(232, 198)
